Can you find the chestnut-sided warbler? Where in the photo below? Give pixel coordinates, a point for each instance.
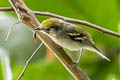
(69, 36)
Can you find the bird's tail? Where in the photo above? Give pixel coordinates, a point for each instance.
(101, 54)
(95, 49)
(92, 47)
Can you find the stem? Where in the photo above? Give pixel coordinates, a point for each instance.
(91, 25)
(6, 9)
(28, 61)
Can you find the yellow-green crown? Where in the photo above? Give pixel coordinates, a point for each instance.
(50, 22)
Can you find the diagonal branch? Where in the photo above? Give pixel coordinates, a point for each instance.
(27, 17)
(28, 61)
(91, 25)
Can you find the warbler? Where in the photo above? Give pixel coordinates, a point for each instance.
(69, 36)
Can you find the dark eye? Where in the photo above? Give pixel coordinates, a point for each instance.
(47, 28)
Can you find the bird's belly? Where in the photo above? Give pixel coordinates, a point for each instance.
(71, 45)
(67, 43)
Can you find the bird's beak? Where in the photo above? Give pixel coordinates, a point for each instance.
(38, 28)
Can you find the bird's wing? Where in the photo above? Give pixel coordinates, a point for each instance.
(77, 34)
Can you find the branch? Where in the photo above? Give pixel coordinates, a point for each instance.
(71, 20)
(9, 30)
(27, 17)
(28, 61)
(91, 25)
(6, 9)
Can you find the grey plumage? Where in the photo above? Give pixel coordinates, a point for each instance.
(69, 36)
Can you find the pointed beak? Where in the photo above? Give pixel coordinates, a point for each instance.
(38, 28)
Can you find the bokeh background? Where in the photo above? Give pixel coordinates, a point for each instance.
(45, 66)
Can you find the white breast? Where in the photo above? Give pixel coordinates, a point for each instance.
(67, 43)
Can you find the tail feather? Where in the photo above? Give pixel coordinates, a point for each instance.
(99, 52)
(104, 57)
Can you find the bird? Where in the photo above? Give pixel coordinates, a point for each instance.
(69, 36)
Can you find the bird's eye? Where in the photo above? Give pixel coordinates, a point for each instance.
(47, 28)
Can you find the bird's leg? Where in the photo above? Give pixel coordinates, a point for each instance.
(78, 60)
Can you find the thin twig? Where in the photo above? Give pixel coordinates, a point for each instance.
(9, 30)
(82, 22)
(6, 9)
(28, 61)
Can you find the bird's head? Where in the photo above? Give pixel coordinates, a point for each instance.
(50, 25)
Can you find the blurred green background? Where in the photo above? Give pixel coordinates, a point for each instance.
(45, 66)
